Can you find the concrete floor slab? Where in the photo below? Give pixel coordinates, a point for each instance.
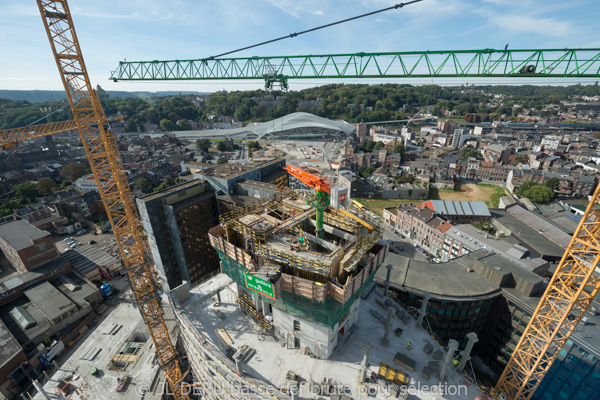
(272, 361)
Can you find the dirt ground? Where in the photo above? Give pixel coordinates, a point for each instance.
(468, 191)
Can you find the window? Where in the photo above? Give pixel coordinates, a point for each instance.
(296, 326)
(41, 247)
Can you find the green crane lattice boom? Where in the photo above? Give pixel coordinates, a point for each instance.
(487, 63)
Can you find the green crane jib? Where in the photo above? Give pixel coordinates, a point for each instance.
(486, 63)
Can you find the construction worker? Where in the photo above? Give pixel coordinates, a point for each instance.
(455, 362)
(408, 346)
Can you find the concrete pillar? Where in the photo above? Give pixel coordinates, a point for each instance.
(219, 296)
(465, 355)
(294, 391)
(387, 279)
(40, 389)
(388, 326)
(452, 347)
(238, 366)
(422, 310)
(265, 306)
(258, 305)
(362, 375)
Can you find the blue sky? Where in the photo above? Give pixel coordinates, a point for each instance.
(111, 30)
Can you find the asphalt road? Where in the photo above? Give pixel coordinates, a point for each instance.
(409, 251)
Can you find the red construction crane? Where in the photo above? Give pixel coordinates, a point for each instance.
(322, 188)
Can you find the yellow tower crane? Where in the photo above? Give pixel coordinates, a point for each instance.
(104, 158)
(10, 138)
(567, 297)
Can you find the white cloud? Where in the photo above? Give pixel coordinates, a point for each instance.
(540, 26)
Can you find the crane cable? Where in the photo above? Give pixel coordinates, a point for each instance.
(292, 35)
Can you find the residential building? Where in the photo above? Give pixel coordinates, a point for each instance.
(459, 138)
(423, 225)
(25, 246)
(498, 152)
(86, 183)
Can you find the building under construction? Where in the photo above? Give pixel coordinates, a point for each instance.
(297, 304)
(296, 281)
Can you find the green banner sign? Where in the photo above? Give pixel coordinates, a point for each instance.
(259, 285)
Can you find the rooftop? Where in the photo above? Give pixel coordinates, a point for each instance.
(18, 279)
(59, 304)
(21, 234)
(172, 189)
(476, 239)
(526, 236)
(98, 345)
(449, 279)
(459, 207)
(88, 257)
(271, 362)
(538, 223)
(9, 347)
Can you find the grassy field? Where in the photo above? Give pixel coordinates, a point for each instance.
(377, 205)
(465, 191)
(451, 119)
(472, 192)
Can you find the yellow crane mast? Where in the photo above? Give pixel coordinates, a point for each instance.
(567, 297)
(104, 158)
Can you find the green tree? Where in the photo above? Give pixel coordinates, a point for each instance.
(467, 152)
(484, 226)
(366, 172)
(221, 146)
(130, 125)
(553, 183)
(203, 144)
(378, 146)
(160, 187)
(142, 184)
(221, 160)
(27, 192)
(254, 145)
(399, 148)
(73, 171)
(168, 125)
(367, 145)
(535, 192)
(46, 185)
(408, 178)
(65, 183)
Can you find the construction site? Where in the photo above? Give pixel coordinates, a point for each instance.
(295, 312)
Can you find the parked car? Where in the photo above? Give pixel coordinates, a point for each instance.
(421, 250)
(414, 245)
(81, 231)
(437, 260)
(92, 242)
(71, 245)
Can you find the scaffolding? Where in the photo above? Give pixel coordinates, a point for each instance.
(277, 241)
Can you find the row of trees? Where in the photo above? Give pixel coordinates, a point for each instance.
(352, 103)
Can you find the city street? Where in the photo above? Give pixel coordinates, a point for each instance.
(409, 251)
